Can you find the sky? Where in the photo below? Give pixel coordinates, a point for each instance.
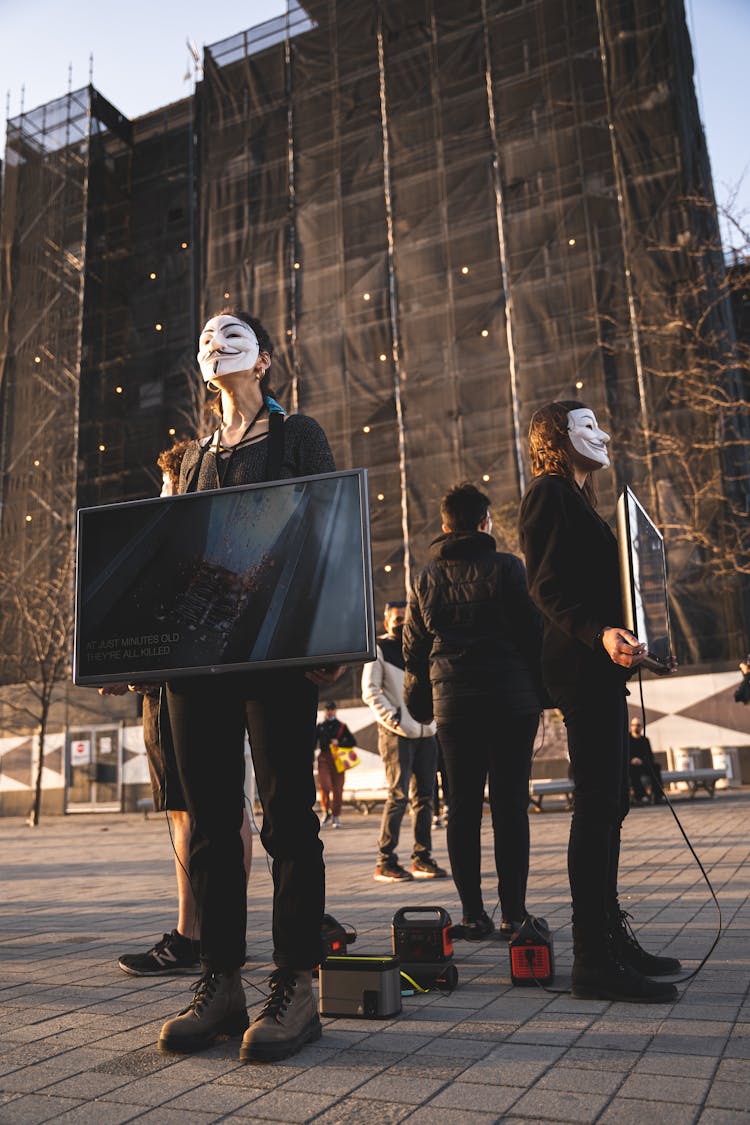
(141, 58)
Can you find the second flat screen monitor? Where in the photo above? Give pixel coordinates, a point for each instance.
(257, 576)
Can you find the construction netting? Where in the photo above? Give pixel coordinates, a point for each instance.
(450, 214)
(446, 213)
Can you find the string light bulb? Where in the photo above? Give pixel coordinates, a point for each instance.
(383, 357)
(171, 431)
(365, 429)
(381, 496)
(464, 270)
(387, 568)
(579, 384)
(102, 448)
(118, 390)
(571, 242)
(28, 519)
(158, 327)
(485, 477)
(485, 333)
(37, 359)
(152, 276)
(365, 296)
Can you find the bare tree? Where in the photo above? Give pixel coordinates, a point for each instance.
(691, 444)
(36, 655)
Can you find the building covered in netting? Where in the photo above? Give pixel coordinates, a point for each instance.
(446, 214)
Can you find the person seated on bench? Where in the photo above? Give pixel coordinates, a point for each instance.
(642, 762)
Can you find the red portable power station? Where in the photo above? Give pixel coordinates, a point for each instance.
(334, 936)
(532, 959)
(422, 934)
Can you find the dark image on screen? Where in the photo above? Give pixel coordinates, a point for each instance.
(232, 577)
(647, 579)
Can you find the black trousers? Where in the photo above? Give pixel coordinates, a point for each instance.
(209, 717)
(596, 719)
(474, 746)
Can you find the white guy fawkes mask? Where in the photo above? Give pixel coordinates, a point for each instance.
(586, 437)
(226, 345)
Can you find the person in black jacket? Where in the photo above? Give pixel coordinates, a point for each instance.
(472, 642)
(331, 732)
(642, 761)
(255, 441)
(572, 563)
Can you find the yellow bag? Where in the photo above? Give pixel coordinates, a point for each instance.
(344, 757)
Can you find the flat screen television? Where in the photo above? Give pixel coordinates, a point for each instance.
(643, 576)
(257, 576)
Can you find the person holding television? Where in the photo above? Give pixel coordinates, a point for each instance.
(254, 441)
(587, 657)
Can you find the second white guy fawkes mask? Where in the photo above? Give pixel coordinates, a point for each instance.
(586, 437)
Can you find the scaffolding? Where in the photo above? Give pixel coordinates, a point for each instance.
(450, 214)
(445, 213)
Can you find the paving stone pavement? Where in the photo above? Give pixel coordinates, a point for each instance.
(77, 1036)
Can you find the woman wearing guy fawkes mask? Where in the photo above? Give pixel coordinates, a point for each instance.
(254, 441)
(574, 578)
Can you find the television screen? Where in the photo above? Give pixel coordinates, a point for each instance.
(258, 576)
(643, 575)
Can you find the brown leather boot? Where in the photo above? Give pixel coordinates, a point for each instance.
(218, 1008)
(288, 1019)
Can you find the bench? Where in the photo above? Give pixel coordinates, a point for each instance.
(695, 779)
(550, 787)
(563, 786)
(145, 805)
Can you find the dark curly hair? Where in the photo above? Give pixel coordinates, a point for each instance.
(170, 460)
(549, 444)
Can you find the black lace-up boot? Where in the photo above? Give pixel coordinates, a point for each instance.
(288, 1019)
(631, 953)
(217, 1008)
(599, 973)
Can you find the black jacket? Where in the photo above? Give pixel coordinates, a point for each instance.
(574, 578)
(641, 748)
(333, 728)
(471, 632)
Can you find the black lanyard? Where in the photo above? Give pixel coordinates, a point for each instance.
(222, 463)
(274, 455)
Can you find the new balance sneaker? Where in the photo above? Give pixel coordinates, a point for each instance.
(427, 869)
(174, 955)
(391, 873)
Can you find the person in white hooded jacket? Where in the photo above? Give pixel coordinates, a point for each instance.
(409, 753)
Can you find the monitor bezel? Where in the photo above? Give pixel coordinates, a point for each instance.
(627, 580)
(303, 662)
